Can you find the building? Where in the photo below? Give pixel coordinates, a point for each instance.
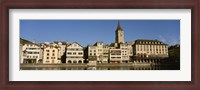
(115, 56)
(21, 53)
(130, 48)
(74, 53)
(51, 55)
(106, 49)
(124, 51)
(174, 53)
(149, 50)
(31, 53)
(92, 55)
(62, 51)
(100, 51)
(119, 34)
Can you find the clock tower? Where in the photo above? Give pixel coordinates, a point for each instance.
(119, 34)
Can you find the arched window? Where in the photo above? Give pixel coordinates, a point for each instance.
(74, 61)
(69, 61)
(79, 61)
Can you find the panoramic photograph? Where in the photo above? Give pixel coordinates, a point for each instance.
(99, 45)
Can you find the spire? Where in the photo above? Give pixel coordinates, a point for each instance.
(119, 27)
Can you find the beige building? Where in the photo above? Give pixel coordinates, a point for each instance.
(124, 52)
(92, 54)
(100, 51)
(150, 49)
(106, 49)
(51, 55)
(74, 53)
(130, 48)
(115, 56)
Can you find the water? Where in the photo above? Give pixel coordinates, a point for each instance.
(136, 67)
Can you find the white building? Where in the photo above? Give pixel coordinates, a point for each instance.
(74, 53)
(31, 53)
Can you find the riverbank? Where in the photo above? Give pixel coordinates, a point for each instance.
(82, 65)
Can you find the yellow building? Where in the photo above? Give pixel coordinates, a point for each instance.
(51, 54)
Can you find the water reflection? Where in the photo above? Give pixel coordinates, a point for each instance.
(136, 67)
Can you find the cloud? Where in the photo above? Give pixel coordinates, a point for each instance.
(162, 38)
(169, 39)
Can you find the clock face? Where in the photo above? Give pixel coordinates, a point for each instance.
(121, 35)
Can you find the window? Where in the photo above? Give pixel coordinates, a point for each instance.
(47, 50)
(35, 52)
(80, 53)
(53, 54)
(53, 51)
(74, 53)
(69, 53)
(94, 50)
(47, 57)
(47, 54)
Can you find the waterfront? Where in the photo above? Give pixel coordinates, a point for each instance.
(100, 67)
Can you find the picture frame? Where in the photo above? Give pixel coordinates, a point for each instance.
(99, 4)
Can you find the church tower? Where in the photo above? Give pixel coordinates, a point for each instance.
(119, 34)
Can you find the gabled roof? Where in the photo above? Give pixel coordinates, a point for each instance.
(73, 43)
(97, 42)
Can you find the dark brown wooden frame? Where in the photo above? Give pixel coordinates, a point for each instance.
(99, 4)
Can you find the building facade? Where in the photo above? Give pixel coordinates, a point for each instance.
(106, 49)
(74, 53)
(31, 53)
(51, 55)
(145, 50)
(115, 56)
(124, 52)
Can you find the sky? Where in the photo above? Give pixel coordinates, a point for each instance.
(87, 32)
